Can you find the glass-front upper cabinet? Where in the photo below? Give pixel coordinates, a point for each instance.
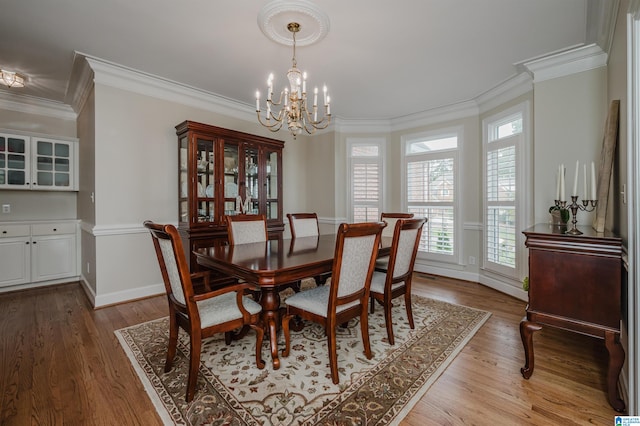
(272, 183)
(52, 164)
(37, 163)
(252, 194)
(14, 162)
(196, 180)
(232, 205)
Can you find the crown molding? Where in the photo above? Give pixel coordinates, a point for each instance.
(583, 58)
(120, 77)
(33, 105)
(80, 83)
(441, 114)
(344, 125)
(505, 91)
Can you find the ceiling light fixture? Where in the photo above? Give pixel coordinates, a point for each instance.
(293, 101)
(11, 79)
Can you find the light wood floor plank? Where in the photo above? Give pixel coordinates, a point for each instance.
(60, 363)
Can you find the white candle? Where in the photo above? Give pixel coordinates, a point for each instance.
(593, 181)
(304, 82)
(562, 192)
(258, 101)
(575, 180)
(315, 96)
(328, 105)
(584, 192)
(324, 90)
(557, 184)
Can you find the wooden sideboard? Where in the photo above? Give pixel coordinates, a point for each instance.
(575, 285)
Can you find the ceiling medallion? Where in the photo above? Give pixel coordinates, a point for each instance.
(275, 16)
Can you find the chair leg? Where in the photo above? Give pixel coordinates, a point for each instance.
(333, 353)
(372, 301)
(173, 342)
(364, 329)
(285, 330)
(388, 321)
(407, 304)
(259, 335)
(194, 364)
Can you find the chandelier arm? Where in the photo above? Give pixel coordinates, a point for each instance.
(319, 123)
(273, 127)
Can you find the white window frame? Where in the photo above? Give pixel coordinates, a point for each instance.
(381, 144)
(457, 131)
(523, 152)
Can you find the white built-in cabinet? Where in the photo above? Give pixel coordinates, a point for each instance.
(38, 162)
(38, 252)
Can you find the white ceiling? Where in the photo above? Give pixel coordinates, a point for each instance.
(381, 59)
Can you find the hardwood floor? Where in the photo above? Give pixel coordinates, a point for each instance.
(60, 363)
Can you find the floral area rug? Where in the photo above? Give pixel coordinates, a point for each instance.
(233, 391)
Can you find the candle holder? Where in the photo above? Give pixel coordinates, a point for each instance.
(587, 206)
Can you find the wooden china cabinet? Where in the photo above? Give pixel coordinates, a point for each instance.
(224, 172)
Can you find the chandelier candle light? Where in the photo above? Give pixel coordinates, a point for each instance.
(588, 205)
(293, 100)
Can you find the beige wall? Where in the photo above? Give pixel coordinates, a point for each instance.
(617, 216)
(569, 117)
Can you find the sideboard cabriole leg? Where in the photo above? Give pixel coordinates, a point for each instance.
(527, 328)
(616, 359)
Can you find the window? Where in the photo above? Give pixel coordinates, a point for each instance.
(365, 173)
(503, 188)
(431, 190)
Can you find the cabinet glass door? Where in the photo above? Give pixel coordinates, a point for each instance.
(271, 184)
(183, 179)
(14, 164)
(52, 164)
(232, 205)
(251, 180)
(205, 160)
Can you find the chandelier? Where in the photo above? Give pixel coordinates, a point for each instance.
(11, 79)
(293, 101)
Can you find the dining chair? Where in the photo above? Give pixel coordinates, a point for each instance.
(200, 315)
(303, 225)
(244, 229)
(347, 296)
(390, 219)
(396, 280)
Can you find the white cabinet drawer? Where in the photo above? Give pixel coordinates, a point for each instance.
(53, 229)
(8, 231)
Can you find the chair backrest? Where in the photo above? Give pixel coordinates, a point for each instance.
(355, 257)
(173, 265)
(391, 219)
(303, 224)
(244, 229)
(404, 247)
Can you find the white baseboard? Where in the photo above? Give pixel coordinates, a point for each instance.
(115, 297)
(503, 287)
(445, 272)
(38, 284)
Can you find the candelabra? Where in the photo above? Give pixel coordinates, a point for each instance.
(587, 206)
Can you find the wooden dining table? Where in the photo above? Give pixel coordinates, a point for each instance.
(273, 265)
